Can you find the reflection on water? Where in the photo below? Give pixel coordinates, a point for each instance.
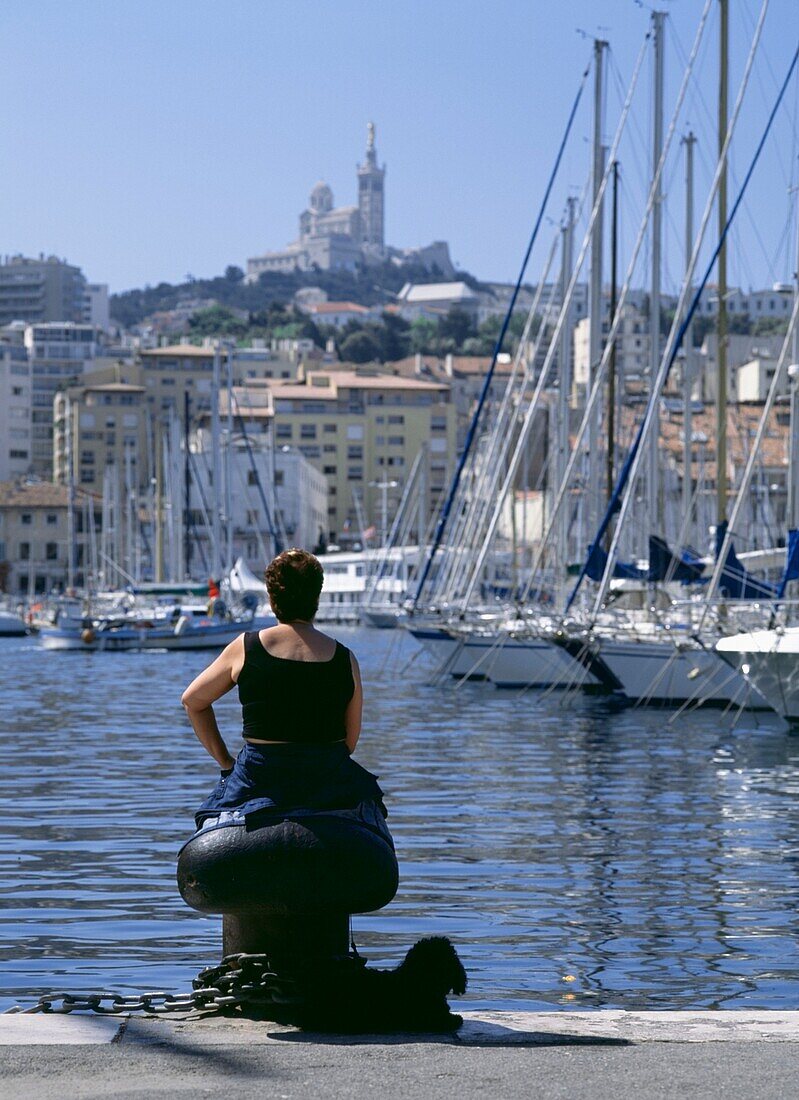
(656, 864)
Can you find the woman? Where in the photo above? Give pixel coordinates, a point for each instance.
(301, 699)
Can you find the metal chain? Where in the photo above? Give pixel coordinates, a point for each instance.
(243, 980)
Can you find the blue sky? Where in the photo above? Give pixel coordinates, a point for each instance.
(144, 140)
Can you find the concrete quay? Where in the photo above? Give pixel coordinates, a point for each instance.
(599, 1054)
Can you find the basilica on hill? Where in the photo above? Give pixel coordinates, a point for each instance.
(346, 237)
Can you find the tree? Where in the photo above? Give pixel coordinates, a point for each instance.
(424, 335)
(393, 337)
(217, 321)
(456, 326)
(359, 347)
(234, 274)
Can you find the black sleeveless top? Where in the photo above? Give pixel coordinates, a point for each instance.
(299, 701)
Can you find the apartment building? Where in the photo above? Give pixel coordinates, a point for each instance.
(104, 426)
(363, 430)
(34, 535)
(15, 411)
(40, 290)
(59, 354)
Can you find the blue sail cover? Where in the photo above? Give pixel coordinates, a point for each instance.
(791, 570)
(735, 583)
(598, 560)
(663, 565)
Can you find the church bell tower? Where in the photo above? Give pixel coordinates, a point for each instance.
(370, 194)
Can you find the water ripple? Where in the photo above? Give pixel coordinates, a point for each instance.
(651, 864)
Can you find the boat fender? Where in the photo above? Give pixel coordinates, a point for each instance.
(181, 625)
(314, 864)
(87, 635)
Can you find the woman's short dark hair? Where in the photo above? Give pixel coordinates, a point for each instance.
(294, 580)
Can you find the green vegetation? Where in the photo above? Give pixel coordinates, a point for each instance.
(368, 286)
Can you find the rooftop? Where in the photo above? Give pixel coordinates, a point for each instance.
(32, 494)
(436, 292)
(175, 350)
(335, 307)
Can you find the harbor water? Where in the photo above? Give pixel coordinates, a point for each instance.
(579, 854)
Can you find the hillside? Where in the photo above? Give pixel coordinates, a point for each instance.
(367, 286)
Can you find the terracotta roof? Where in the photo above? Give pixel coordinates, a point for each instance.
(742, 423)
(336, 307)
(34, 494)
(354, 380)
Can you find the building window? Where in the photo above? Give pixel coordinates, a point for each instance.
(307, 431)
(329, 470)
(87, 477)
(396, 441)
(355, 473)
(396, 420)
(26, 519)
(252, 516)
(51, 551)
(329, 429)
(355, 432)
(24, 551)
(52, 519)
(279, 477)
(355, 453)
(438, 423)
(87, 458)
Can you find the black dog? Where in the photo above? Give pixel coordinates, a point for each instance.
(346, 997)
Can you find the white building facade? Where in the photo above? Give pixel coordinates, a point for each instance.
(15, 411)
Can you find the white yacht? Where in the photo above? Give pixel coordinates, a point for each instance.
(769, 660)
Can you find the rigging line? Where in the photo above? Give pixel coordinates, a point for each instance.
(256, 472)
(497, 349)
(631, 268)
(621, 500)
(470, 515)
(761, 431)
(759, 79)
(475, 518)
(527, 421)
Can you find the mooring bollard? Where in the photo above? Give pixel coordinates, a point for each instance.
(287, 888)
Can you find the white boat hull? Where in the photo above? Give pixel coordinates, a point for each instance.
(528, 662)
(770, 663)
(214, 636)
(652, 671)
(11, 626)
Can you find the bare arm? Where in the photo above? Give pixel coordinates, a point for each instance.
(198, 699)
(354, 711)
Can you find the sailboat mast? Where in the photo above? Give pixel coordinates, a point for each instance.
(654, 481)
(792, 516)
(565, 372)
(611, 416)
(186, 489)
(595, 291)
(68, 414)
(159, 501)
(229, 457)
(721, 378)
(689, 141)
(216, 472)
